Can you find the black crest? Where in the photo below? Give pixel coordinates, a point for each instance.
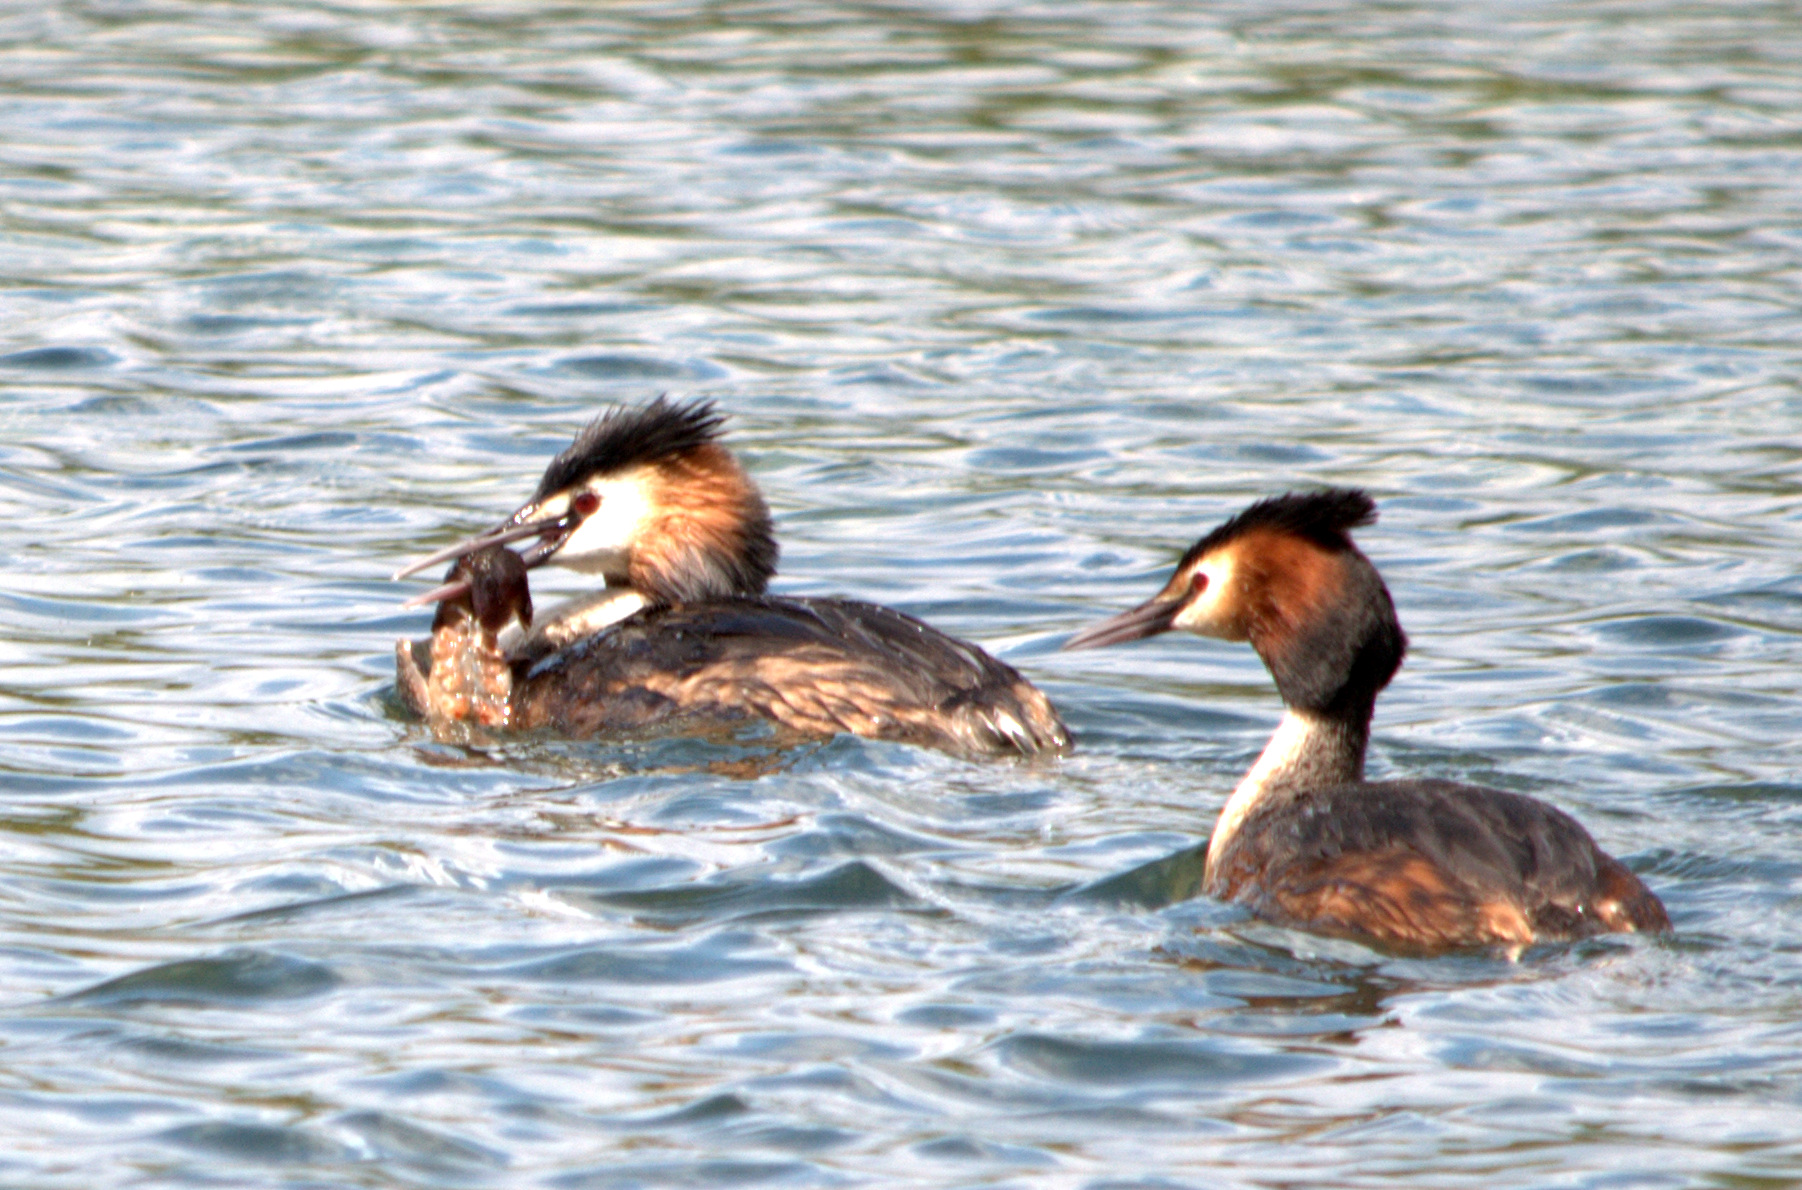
(1324, 518)
(626, 437)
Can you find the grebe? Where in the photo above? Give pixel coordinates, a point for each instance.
(1304, 839)
(683, 635)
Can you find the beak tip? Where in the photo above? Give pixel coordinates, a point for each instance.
(1077, 642)
(437, 595)
(513, 529)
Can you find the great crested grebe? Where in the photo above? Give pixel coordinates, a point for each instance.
(1419, 864)
(683, 634)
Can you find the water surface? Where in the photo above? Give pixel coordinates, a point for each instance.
(1009, 303)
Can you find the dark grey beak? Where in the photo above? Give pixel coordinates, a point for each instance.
(1148, 619)
(550, 529)
(553, 530)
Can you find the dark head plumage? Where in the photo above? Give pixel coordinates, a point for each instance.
(1325, 518)
(1333, 651)
(1285, 575)
(631, 436)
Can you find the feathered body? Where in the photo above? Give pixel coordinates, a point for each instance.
(811, 666)
(1429, 865)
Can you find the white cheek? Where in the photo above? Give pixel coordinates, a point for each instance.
(1208, 613)
(601, 544)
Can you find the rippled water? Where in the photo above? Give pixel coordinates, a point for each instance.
(1009, 303)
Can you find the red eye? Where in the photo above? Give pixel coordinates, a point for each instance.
(1198, 582)
(585, 504)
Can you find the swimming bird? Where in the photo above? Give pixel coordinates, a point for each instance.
(1418, 864)
(683, 634)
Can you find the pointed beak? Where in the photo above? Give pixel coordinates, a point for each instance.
(1148, 619)
(554, 529)
(522, 524)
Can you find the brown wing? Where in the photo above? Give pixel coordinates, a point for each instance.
(1431, 865)
(1395, 896)
(816, 666)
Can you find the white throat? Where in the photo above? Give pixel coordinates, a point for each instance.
(1305, 752)
(580, 617)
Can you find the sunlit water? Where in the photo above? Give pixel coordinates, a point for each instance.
(1009, 303)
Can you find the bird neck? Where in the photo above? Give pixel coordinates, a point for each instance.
(1309, 750)
(580, 617)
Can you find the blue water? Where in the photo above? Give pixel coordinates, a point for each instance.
(1008, 303)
